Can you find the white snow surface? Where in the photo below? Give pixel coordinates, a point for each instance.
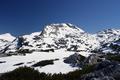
(57, 67)
(7, 36)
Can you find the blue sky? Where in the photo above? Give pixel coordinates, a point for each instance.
(27, 16)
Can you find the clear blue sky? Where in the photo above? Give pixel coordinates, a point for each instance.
(26, 16)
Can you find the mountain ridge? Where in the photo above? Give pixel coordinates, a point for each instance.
(62, 35)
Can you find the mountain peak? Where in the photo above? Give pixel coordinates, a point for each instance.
(7, 36)
(60, 30)
(65, 25)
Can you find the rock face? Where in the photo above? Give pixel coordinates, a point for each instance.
(103, 68)
(93, 59)
(75, 60)
(80, 61)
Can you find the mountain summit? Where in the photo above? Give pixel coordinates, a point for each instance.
(61, 30)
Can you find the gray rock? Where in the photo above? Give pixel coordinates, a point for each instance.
(93, 59)
(75, 59)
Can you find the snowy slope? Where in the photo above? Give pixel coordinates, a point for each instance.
(58, 66)
(7, 37)
(5, 40)
(108, 35)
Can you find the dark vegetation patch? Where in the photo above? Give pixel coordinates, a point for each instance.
(113, 57)
(27, 73)
(44, 63)
(18, 64)
(21, 73)
(82, 58)
(115, 47)
(2, 62)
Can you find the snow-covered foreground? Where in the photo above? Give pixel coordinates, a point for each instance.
(30, 59)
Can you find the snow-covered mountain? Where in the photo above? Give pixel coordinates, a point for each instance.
(55, 42)
(57, 36)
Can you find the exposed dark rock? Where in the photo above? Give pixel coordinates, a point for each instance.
(20, 42)
(93, 59)
(47, 50)
(44, 63)
(18, 64)
(75, 59)
(73, 48)
(24, 51)
(2, 62)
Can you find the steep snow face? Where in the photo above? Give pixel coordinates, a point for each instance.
(61, 30)
(108, 35)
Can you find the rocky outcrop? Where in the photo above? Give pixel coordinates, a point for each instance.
(75, 60)
(94, 59)
(79, 60)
